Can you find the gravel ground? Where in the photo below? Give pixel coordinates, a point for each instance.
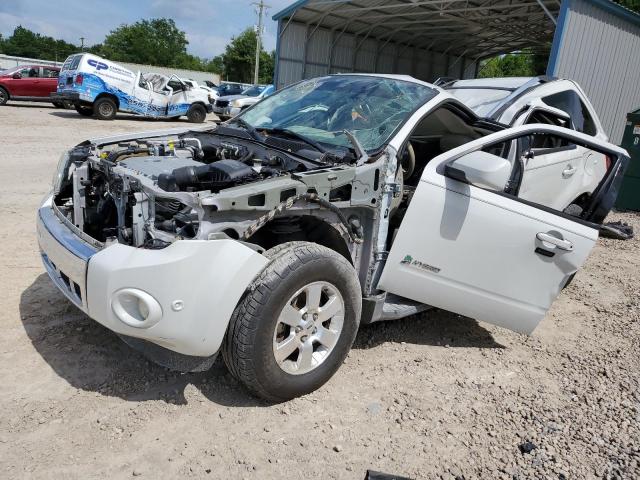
(433, 396)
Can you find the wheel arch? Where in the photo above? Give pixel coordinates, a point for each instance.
(110, 96)
(305, 228)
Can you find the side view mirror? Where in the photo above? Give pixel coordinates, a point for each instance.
(481, 169)
(17, 75)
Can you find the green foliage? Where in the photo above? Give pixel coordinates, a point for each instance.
(518, 64)
(238, 60)
(150, 42)
(630, 4)
(155, 42)
(25, 43)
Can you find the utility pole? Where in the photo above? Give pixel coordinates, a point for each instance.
(82, 44)
(260, 10)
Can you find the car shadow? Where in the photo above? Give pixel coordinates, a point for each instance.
(433, 327)
(72, 114)
(92, 358)
(14, 104)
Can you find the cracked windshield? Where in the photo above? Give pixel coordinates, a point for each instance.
(320, 110)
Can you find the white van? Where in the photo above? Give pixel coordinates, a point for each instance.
(101, 88)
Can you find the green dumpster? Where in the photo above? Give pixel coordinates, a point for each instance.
(629, 196)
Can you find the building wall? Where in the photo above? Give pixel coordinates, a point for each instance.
(598, 45)
(307, 52)
(7, 61)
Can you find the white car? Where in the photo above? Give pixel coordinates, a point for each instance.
(101, 88)
(273, 237)
(229, 106)
(568, 168)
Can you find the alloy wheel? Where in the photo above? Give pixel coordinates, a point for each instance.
(308, 328)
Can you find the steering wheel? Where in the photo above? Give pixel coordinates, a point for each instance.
(350, 117)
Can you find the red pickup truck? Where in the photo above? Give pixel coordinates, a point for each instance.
(31, 83)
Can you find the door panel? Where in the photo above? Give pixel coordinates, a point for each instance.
(560, 173)
(20, 87)
(474, 253)
(48, 81)
(485, 254)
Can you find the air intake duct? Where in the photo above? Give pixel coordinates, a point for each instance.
(215, 177)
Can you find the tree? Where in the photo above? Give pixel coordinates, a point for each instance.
(25, 43)
(518, 64)
(238, 60)
(630, 4)
(154, 42)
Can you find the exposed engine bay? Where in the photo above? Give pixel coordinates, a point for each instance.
(219, 183)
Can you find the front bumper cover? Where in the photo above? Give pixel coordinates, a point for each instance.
(195, 283)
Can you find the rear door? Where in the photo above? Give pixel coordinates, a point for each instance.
(48, 81)
(568, 171)
(486, 254)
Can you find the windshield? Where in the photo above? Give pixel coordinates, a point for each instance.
(253, 91)
(11, 70)
(371, 108)
(481, 100)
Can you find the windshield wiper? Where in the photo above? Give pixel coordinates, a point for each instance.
(291, 133)
(249, 128)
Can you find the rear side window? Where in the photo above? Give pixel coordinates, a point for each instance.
(72, 62)
(49, 72)
(569, 101)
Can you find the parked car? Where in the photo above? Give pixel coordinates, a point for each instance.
(229, 106)
(102, 88)
(212, 93)
(232, 88)
(29, 83)
(271, 238)
(569, 168)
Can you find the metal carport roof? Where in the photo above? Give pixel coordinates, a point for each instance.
(471, 28)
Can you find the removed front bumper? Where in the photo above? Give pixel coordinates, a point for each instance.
(187, 290)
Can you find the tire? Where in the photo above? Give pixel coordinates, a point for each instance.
(4, 96)
(105, 109)
(58, 104)
(196, 113)
(256, 328)
(84, 111)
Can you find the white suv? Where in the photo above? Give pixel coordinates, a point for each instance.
(338, 201)
(569, 171)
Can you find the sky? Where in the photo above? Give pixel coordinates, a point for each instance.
(209, 24)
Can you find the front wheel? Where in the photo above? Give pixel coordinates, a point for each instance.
(196, 113)
(4, 96)
(295, 324)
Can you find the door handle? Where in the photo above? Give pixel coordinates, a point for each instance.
(561, 244)
(570, 170)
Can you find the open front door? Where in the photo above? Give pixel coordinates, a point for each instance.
(467, 247)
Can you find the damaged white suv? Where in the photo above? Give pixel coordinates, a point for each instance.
(336, 202)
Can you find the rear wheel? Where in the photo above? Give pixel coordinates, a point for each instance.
(196, 113)
(4, 96)
(84, 111)
(295, 325)
(58, 104)
(105, 109)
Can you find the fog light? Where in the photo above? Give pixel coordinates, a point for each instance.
(136, 308)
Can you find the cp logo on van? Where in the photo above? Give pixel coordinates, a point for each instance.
(97, 64)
